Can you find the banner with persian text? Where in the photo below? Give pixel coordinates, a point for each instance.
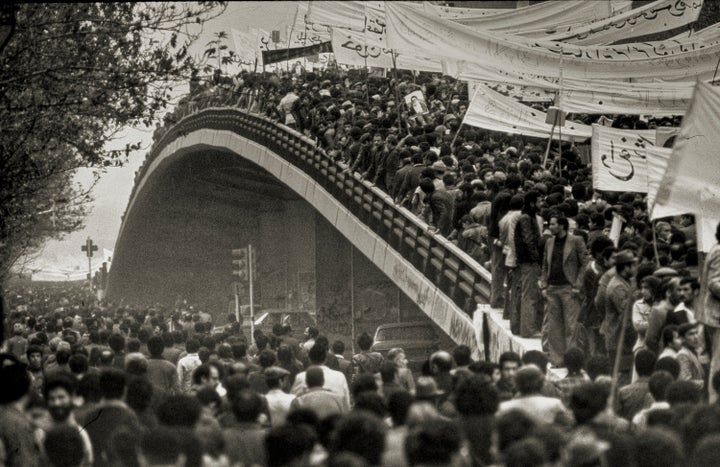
(661, 15)
(691, 182)
(281, 55)
(413, 31)
(491, 110)
(621, 159)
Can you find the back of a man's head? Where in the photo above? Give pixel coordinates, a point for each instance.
(289, 444)
(433, 443)
(156, 345)
(112, 383)
(247, 406)
(398, 405)
(160, 446)
(588, 400)
(314, 377)
(317, 354)
(669, 364)
(529, 380)
(645, 362)
(658, 384)
(476, 396)
(179, 411)
(64, 446)
(537, 358)
(682, 392)
(574, 360)
(462, 355)
(360, 433)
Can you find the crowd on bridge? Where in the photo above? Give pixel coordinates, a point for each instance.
(617, 301)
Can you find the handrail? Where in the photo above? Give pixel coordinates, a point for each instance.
(454, 272)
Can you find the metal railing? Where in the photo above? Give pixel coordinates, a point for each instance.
(454, 272)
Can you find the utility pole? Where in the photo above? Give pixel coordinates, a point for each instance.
(89, 248)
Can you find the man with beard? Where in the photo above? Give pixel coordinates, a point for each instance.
(59, 390)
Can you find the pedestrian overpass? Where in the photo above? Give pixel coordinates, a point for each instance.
(185, 180)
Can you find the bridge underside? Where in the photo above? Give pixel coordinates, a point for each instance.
(197, 206)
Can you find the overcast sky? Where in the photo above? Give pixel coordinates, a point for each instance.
(113, 191)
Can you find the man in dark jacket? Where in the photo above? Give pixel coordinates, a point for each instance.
(528, 252)
(441, 206)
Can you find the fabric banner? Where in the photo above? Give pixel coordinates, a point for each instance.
(281, 55)
(657, 162)
(413, 31)
(493, 111)
(593, 96)
(349, 15)
(661, 15)
(541, 19)
(363, 50)
(691, 183)
(621, 158)
(303, 34)
(245, 46)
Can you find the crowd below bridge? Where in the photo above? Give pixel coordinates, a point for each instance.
(618, 302)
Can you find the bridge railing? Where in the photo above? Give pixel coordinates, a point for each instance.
(458, 275)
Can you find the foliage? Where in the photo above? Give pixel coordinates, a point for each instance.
(71, 77)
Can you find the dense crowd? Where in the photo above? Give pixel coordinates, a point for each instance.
(94, 386)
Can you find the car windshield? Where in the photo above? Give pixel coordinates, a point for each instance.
(420, 333)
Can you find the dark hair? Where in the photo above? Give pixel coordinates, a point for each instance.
(682, 392)
(475, 395)
(670, 365)
(314, 377)
(658, 384)
(561, 220)
(287, 443)
(370, 402)
(161, 445)
(139, 393)
(537, 358)
(574, 360)
(192, 345)
(155, 346)
(317, 354)
(64, 446)
(433, 442)
(267, 358)
(338, 347)
(645, 362)
(116, 342)
(79, 364)
(179, 410)
(60, 379)
(247, 406)
(398, 405)
(365, 341)
(509, 357)
(462, 355)
(512, 426)
(112, 383)
(360, 433)
(588, 400)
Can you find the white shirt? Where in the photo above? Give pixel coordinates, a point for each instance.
(335, 381)
(185, 368)
(279, 405)
(540, 408)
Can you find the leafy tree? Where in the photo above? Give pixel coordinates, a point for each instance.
(71, 77)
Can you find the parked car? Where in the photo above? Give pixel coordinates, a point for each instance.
(417, 338)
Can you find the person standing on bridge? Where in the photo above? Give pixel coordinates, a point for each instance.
(527, 250)
(565, 256)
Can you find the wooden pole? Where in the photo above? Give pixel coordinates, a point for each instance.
(547, 149)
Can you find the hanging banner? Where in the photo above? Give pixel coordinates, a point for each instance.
(493, 111)
(414, 31)
(538, 20)
(691, 183)
(303, 34)
(619, 158)
(281, 55)
(592, 96)
(661, 15)
(657, 161)
(245, 46)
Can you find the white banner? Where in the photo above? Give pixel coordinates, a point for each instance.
(593, 96)
(538, 20)
(413, 31)
(661, 15)
(657, 161)
(303, 34)
(691, 183)
(245, 46)
(493, 111)
(619, 158)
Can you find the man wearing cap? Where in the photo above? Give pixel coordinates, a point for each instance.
(564, 258)
(690, 367)
(278, 400)
(618, 301)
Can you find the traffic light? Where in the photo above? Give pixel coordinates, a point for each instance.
(240, 263)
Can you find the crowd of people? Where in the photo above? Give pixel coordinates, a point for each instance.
(120, 387)
(615, 299)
